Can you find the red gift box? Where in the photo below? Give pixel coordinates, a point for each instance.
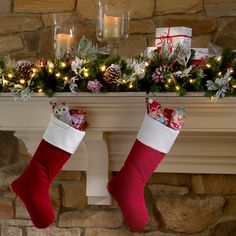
(78, 118)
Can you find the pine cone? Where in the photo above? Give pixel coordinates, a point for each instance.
(112, 73)
(23, 67)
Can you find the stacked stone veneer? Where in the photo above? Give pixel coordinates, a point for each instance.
(179, 204)
(26, 26)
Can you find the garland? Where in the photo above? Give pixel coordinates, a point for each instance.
(93, 69)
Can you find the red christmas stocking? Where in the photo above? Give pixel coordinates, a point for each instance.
(59, 141)
(153, 141)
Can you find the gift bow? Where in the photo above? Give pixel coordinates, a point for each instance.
(169, 39)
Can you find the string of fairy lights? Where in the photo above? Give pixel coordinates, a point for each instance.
(101, 72)
(51, 67)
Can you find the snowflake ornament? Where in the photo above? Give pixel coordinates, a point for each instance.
(183, 74)
(138, 69)
(77, 65)
(21, 94)
(220, 85)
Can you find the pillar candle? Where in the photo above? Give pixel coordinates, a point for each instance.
(111, 27)
(64, 42)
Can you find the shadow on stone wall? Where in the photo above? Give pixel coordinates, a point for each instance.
(9, 148)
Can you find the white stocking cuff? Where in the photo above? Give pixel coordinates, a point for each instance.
(62, 135)
(156, 135)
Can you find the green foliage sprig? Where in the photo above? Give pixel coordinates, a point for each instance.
(94, 69)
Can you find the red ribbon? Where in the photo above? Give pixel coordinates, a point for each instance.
(169, 39)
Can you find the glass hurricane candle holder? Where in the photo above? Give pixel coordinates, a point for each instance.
(65, 35)
(112, 22)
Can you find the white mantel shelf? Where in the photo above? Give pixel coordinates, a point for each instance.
(207, 143)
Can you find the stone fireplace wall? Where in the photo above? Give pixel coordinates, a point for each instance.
(26, 27)
(179, 204)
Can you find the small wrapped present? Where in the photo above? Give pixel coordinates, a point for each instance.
(172, 36)
(78, 118)
(214, 50)
(148, 51)
(200, 55)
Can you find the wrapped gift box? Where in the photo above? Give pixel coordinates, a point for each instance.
(201, 54)
(148, 51)
(172, 36)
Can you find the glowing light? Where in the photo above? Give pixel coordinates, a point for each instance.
(212, 99)
(208, 65)
(103, 68)
(65, 78)
(63, 64)
(146, 64)
(123, 81)
(130, 85)
(10, 75)
(191, 81)
(50, 65)
(218, 58)
(169, 80)
(40, 90)
(231, 71)
(22, 81)
(166, 85)
(50, 70)
(220, 73)
(177, 88)
(86, 74)
(234, 86)
(58, 75)
(34, 70)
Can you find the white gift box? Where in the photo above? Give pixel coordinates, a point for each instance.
(200, 53)
(148, 51)
(172, 36)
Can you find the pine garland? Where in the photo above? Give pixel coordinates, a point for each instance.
(93, 69)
